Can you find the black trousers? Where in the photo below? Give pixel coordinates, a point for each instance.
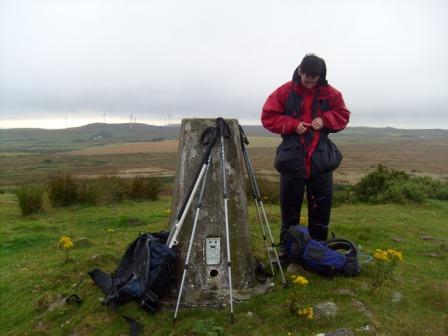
(319, 195)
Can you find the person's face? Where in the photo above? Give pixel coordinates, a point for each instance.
(308, 81)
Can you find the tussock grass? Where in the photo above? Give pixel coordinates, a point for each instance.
(31, 199)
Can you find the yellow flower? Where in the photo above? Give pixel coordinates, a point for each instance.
(65, 242)
(301, 280)
(289, 333)
(303, 311)
(306, 312)
(310, 314)
(380, 255)
(387, 255)
(110, 230)
(168, 211)
(395, 254)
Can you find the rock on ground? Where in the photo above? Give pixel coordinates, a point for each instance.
(360, 307)
(326, 309)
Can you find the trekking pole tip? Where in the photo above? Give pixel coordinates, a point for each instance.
(231, 318)
(173, 322)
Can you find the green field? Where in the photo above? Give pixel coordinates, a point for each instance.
(34, 274)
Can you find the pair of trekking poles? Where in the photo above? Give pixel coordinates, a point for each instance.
(210, 137)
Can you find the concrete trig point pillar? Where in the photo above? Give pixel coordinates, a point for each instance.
(207, 277)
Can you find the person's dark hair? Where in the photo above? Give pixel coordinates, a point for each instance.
(313, 65)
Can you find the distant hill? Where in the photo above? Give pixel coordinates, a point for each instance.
(97, 134)
(34, 140)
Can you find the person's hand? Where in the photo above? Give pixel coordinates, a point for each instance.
(317, 123)
(302, 127)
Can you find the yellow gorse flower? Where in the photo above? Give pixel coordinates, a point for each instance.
(301, 280)
(306, 312)
(65, 242)
(388, 255)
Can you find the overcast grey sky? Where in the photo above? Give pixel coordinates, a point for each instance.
(65, 63)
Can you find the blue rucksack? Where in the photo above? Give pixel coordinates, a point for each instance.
(323, 258)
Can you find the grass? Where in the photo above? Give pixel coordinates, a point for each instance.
(32, 271)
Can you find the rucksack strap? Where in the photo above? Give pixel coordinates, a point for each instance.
(342, 244)
(75, 298)
(104, 281)
(135, 328)
(352, 267)
(261, 274)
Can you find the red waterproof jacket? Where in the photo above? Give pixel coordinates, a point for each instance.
(292, 103)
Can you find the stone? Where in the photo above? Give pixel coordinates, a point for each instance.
(396, 297)
(326, 309)
(345, 292)
(340, 332)
(207, 278)
(360, 307)
(368, 328)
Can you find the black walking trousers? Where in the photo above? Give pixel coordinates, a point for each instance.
(319, 196)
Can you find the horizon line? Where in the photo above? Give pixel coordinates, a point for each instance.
(178, 124)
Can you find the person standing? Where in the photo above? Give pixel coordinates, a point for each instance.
(304, 111)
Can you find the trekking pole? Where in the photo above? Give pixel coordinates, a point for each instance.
(263, 231)
(172, 239)
(224, 130)
(190, 245)
(259, 205)
(209, 137)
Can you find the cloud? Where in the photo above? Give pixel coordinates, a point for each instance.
(205, 58)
